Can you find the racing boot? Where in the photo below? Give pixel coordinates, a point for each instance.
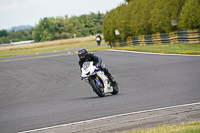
(111, 79)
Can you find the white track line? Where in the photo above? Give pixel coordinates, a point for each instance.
(88, 121)
(150, 53)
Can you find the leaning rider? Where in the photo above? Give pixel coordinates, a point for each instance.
(85, 56)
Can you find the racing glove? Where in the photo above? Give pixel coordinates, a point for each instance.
(98, 65)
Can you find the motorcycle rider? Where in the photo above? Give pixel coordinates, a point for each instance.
(98, 39)
(85, 56)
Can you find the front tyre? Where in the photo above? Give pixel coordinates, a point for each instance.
(115, 89)
(97, 89)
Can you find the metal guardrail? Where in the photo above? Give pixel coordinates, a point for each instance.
(182, 36)
(17, 43)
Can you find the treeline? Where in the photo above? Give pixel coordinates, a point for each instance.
(63, 27)
(140, 17)
(57, 28)
(15, 36)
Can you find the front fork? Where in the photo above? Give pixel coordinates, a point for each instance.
(96, 78)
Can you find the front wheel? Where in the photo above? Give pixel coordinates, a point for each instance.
(97, 89)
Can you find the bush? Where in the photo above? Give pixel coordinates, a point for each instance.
(150, 16)
(190, 15)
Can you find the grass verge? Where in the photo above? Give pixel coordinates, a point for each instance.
(43, 47)
(192, 127)
(66, 44)
(183, 48)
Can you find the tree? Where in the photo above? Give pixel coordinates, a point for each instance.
(127, 1)
(4, 40)
(88, 24)
(74, 26)
(98, 21)
(109, 26)
(45, 30)
(150, 16)
(64, 27)
(162, 14)
(59, 27)
(189, 17)
(46, 36)
(3, 33)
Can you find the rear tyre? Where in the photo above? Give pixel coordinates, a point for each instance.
(97, 89)
(115, 89)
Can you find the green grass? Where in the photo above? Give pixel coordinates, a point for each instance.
(60, 45)
(44, 47)
(192, 127)
(29, 51)
(193, 49)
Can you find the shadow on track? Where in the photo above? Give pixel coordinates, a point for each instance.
(94, 97)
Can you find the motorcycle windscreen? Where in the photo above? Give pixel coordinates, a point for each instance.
(86, 65)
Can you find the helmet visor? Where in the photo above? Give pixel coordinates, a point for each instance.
(81, 56)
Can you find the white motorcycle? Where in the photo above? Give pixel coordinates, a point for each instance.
(98, 80)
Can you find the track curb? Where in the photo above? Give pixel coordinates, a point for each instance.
(129, 121)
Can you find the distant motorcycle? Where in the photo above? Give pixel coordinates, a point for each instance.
(98, 80)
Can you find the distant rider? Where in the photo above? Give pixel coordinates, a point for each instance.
(98, 39)
(85, 56)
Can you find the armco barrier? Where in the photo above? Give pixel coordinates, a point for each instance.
(182, 36)
(193, 36)
(165, 38)
(148, 40)
(173, 37)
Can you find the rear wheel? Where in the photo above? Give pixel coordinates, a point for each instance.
(99, 90)
(115, 89)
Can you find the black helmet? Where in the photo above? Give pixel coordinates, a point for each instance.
(82, 53)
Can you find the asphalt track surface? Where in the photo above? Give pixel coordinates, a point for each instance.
(43, 90)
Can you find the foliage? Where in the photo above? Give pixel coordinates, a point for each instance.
(150, 16)
(189, 17)
(3, 33)
(109, 26)
(57, 28)
(162, 14)
(7, 37)
(44, 30)
(128, 0)
(62, 28)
